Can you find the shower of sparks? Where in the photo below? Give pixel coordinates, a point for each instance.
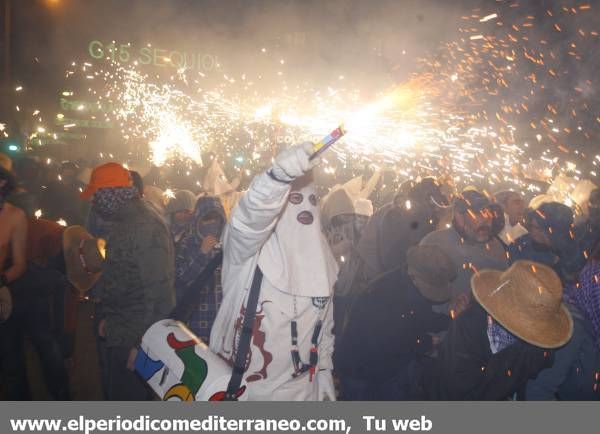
(511, 101)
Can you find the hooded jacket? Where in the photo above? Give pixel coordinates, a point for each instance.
(190, 262)
(189, 259)
(137, 283)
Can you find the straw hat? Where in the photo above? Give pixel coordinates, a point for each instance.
(526, 299)
(84, 256)
(435, 269)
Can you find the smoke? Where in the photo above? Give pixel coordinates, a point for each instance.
(372, 42)
(346, 45)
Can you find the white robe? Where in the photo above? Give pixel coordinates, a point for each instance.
(269, 374)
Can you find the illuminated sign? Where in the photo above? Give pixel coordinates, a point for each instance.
(57, 138)
(148, 55)
(75, 105)
(82, 123)
(84, 108)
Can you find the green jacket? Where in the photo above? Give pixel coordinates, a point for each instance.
(137, 283)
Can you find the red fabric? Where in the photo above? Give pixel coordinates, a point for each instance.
(44, 240)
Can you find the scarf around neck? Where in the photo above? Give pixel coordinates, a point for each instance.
(110, 201)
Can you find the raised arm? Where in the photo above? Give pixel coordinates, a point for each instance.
(256, 214)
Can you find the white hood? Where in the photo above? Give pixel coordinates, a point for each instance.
(350, 198)
(296, 258)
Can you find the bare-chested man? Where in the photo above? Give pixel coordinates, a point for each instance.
(13, 237)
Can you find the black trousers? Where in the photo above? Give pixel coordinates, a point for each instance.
(123, 384)
(101, 349)
(31, 317)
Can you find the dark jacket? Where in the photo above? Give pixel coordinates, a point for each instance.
(388, 327)
(567, 260)
(385, 239)
(467, 370)
(137, 284)
(525, 248)
(190, 262)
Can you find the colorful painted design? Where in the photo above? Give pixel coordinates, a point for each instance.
(173, 346)
(145, 366)
(258, 341)
(220, 396)
(195, 369)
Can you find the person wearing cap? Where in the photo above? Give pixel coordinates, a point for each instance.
(136, 288)
(99, 227)
(471, 241)
(551, 240)
(390, 327)
(513, 206)
(503, 339)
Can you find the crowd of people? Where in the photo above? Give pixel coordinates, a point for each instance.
(429, 294)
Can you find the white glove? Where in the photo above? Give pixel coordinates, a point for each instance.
(293, 162)
(5, 304)
(325, 387)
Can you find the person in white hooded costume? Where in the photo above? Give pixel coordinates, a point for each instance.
(276, 226)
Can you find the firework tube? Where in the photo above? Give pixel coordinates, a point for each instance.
(323, 144)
